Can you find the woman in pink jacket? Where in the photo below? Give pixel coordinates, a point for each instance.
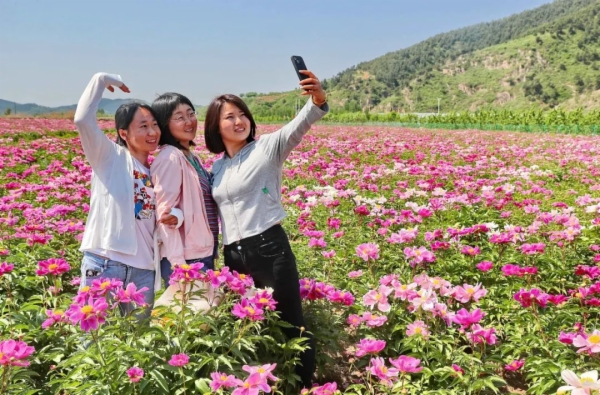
(181, 181)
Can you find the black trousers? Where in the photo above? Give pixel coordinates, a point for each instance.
(269, 259)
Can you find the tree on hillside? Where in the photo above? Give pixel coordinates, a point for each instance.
(7, 111)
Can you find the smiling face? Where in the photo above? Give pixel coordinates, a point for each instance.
(234, 125)
(183, 124)
(143, 133)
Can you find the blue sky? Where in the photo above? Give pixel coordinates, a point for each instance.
(50, 49)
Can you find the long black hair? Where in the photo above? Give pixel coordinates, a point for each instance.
(212, 132)
(164, 106)
(124, 116)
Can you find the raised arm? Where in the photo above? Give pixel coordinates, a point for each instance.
(97, 146)
(279, 144)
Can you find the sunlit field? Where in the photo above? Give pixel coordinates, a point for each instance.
(441, 262)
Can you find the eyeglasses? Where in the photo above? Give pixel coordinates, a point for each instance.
(182, 118)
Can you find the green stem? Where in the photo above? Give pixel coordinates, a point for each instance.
(5, 377)
(97, 341)
(182, 379)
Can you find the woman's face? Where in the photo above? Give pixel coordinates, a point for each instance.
(143, 132)
(183, 124)
(234, 125)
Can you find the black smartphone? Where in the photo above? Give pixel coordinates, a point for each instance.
(298, 63)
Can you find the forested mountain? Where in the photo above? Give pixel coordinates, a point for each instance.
(541, 58)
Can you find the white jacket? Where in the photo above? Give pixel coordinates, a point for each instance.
(110, 224)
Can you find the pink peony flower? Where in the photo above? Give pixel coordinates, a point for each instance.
(369, 346)
(89, 315)
(378, 298)
(179, 360)
(467, 292)
(328, 254)
(485, 266)
(368, 251)
(470, 251)
(135, 374)
(406, 364)
(589, 343)
(481, 335)
(458, 369)
(14, 353)
(515, 365)
(533, 296)
(221, 380)
(246, 309)
(53, 267)
(54, 316)
(354, 320)
(130, 295)
(377, 368)
(101, 286)
(417, 328)
(265, 371)
(189, 273)
(373, 321)
(355, 274)
(253, 384)
(325, 389)
(465, 319)
(263, 299)
(6, 268)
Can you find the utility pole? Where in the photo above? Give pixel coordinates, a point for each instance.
(439, 105)
(15, 103)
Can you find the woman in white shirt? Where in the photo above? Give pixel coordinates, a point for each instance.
(118, 242)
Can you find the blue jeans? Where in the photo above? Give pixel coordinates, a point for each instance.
(166, 270)
(94, 267)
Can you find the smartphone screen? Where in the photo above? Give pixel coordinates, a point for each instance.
(298, 63)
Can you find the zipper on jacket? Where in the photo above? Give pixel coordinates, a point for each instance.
(232, 202)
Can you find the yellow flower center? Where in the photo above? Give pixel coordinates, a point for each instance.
(246, 385)
(1, 355)
(85, 289)
(417, 253)
(261, 370)
(470, 291)
(384, 369)
(53, 266)
(404, 287)
(263, 300)
(578, 295)
(594, 339)
(185, 267)
(59, 312)
(105, 284)
(223, 378)
(250, 310)
(378, 296)
(87, 309)
(436, 281)
(242, 276)
(418, 330)
(587, 380)
(217, 272)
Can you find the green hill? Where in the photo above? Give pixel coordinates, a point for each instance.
(542, 58)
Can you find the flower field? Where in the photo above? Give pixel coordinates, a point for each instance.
(432, 262)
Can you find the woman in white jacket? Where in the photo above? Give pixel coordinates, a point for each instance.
(118, 241)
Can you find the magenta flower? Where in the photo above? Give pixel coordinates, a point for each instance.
(135, 374)
(458, 369)
(221, 380)
(54, 316)
(515, 365)
(533, 296)
(130, 295)
(317, 242)
(368, 251)
(187, 273)
(265, 371)
(14, 353)
(470, 251)
(325, 389)
(589, 343)
(101, 286)
(90, 315)
(328, 254)
(253, 384)
(246, 309)
(378, 298)
(372, 320)
(344, 297)
(567, 337)
(179, 360)
(406, 364)
(377, 368)
(263, 299)
(481, 335)
(369, 346)
(53, 267)
(467, 292)
(485, 266)
(465, 319)
(6, 268)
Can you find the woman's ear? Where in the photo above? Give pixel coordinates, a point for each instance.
(123, 134)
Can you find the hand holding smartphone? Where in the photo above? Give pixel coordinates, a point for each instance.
(299, 64)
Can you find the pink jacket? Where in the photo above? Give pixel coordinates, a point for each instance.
(176, 185)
